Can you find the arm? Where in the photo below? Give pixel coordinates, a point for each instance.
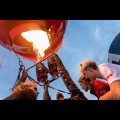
(71, 86)
(46, 93)
(107, 96)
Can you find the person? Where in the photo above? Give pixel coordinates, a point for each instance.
(24, 90)
(107, 71)
(96, 87)
(60, 96)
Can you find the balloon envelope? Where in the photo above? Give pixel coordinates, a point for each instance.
(114, 51)
(10, 36)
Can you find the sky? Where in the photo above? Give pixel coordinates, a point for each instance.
(83, 40)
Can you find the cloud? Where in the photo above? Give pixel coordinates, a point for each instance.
(69, 47)
(96, 32)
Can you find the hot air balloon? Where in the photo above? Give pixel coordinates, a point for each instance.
(36, 41)
(33, 40)
(114, 51)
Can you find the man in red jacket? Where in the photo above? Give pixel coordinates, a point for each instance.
(96, 87)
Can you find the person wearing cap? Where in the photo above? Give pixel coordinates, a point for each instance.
(107, 71)
(96, 87)
(60, 96)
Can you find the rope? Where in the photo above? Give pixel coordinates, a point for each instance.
(31, 79)
(2, 58)
(58, 90)
(21, 68)
(11, 72)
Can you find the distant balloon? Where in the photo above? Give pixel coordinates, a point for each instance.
(114, 51)
(19, 34)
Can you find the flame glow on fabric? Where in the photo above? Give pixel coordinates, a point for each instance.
(20, 34)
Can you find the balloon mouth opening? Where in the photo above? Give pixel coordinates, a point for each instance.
(32, 33)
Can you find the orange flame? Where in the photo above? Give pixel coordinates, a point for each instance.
(39, 39)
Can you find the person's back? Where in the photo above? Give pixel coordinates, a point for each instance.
(99, 88)
(110, 71)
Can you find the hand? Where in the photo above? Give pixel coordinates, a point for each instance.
(24, 76)
(46, 85)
